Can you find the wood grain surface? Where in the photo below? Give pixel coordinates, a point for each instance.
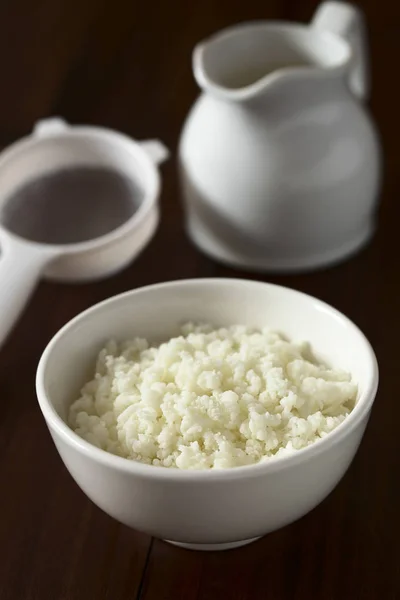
(127, 65)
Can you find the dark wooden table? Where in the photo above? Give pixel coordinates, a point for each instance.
(126, 65)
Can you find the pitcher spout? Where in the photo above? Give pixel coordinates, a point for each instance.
(218, 70)
(225, 66)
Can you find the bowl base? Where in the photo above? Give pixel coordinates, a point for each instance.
(213, 547)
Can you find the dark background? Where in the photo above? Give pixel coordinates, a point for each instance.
(126, 65)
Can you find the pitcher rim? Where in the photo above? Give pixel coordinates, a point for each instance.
(250, 90)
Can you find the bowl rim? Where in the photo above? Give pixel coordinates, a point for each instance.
(57, 424)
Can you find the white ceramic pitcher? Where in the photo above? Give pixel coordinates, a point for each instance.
(279, 160)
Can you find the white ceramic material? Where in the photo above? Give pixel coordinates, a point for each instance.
(215, 509)
(279, 160)
(54, 145)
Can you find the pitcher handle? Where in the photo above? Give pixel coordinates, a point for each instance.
(347, 21)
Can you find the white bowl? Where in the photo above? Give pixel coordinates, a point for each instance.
(214, 509)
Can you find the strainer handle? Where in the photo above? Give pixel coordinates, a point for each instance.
(155, 150)
(52, 126)
(20, 267)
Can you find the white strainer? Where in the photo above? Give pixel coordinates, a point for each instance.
(53, 146)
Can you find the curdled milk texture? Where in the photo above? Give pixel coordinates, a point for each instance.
(210, 398)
